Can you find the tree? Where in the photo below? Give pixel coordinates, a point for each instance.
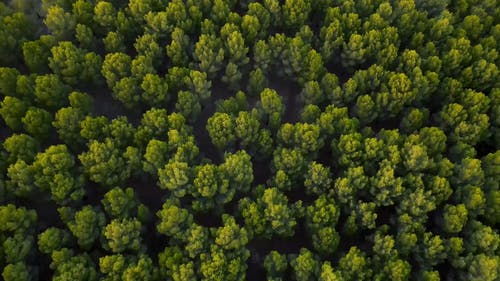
(197, 83)
(155, 156)
(238, 169)
(454, 218)
(305, 266)
(482, 267)
(16, 28)
(232, 76)
(113, 266)
(85, 36)
(333, 38)
(16, 272)
(232, 105)
(350, 149)
(217, 265)
(37, 122)
(105, 15)
(93, 128)
(275, 265)
(17, 247)
(209, 53)
(211, 188)
(231, 237)
(37, 52)
(397, 270)
(432, 250)
(60, 23)
(257, 82)
(53, 239)
(481, 238)
(106, 163)
(114, 43)
(365, 109)
(83, 12)
(55, 171)
(119, 203)
(188, 105)
(8, 78)
(414, 120)
(126, 90)
(16, 220)
(311, 93)
(142, 269)
(115, 67)
(250, 27)
(123, 235)
(155, 124)
(147, 46)
(50, 91)
(355, 265)
(86, 226)
(67, 124)
(176, 50)
(268, 215)
(12, 110)
(174, 220)
(76, 268)
(176, 177)
(353, 52)
(197, 240)
(295, 13)
(155, 90)
(318, 179)
(262, 55)
(21, 147)
(291, 161)
(272, 106)
(327, 273)
(321, 218)
(247, 128)
(73, 64)
(220, 127)
(415, 157)
(20, 179)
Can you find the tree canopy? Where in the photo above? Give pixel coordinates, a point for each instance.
(249, 140)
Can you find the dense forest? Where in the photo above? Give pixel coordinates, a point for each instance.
(331, 140)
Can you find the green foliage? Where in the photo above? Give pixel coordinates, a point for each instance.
(21, 147)
(321, 218)
(106, 163)
(60, 23)
(305, 266)
(119, 203)
(175, 176)
(269, 215)
(16, 272)
(37, 122)
(123, 235)
(53, 239)
(86, 226)
(221, 130)
(50, 91)
(74, 65)
(174, 220)
(13, 110)
(55, 171)
(115, 67)
(76, 268)
(365, 145)
(209, 53)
